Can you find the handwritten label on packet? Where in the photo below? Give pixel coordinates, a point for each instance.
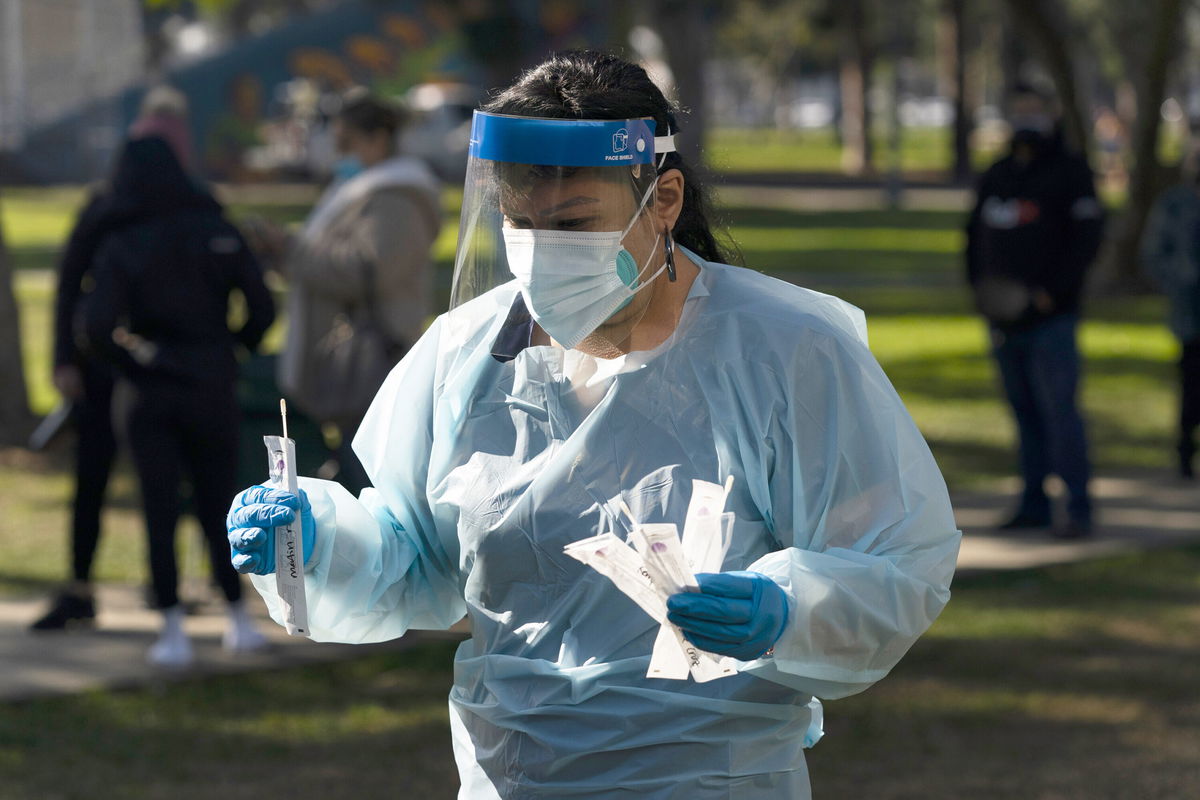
(289, 544)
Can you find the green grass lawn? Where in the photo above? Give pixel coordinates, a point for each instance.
(924, 151)
(901, 267)
(1070, 682)
(767, 150)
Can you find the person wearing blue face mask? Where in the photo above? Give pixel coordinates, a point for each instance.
(360, 278)
(598, 353)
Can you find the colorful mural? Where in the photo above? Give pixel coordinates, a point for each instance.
(256, 107)
(244, 101)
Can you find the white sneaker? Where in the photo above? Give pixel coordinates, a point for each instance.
(173, 650)
(243, 639)
(240, 633)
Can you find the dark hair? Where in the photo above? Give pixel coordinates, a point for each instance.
(149, 181)
(366, 113)
(587, 84)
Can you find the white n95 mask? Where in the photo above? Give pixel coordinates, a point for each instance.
(572, 281)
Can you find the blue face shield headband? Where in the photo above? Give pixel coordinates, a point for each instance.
(566, 142)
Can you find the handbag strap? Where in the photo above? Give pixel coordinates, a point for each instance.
(394, 347)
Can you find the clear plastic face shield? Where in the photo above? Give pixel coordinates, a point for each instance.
(562, 210)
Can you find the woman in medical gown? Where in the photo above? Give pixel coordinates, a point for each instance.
(550, 393)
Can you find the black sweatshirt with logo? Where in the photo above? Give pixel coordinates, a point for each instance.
(1038, 224)
(164, 271)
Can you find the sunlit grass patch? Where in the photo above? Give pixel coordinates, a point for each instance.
(904, 269)
(767, 150)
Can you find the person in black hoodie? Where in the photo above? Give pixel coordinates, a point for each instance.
(159, 311)
(1034, 231)
(86, 383)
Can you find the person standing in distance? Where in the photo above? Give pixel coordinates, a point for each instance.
(360, 280)
(164, 274)
(1170, 254)
(1033, 233)
(86, 382)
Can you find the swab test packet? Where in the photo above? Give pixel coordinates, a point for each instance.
(659, 565)
(289, 543)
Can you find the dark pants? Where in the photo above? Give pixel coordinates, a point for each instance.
(173, 430)
(94, 454)
(1040, 368)
(1189, 397)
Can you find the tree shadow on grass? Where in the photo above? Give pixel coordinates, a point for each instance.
(375, 727)
(850, 267)
(31, 258)
(17, 584)
(965, 463)
(1099, 703)
(750, 216)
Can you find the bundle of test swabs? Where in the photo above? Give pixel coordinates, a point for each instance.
(660, 564)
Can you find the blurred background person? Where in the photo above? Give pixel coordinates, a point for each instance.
(164, 272)
(1171, 255)
(1034, 231)
(86, 382)
(360, 277)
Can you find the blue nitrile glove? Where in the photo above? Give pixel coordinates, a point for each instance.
(251, 523)
(739, 614)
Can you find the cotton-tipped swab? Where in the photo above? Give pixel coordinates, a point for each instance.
(628, 514)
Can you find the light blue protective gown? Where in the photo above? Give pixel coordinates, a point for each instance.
(484, 469)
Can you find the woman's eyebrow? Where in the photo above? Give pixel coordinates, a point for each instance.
(574, 201)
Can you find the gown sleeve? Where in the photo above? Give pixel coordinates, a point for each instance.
(869, 541)
(379, 567)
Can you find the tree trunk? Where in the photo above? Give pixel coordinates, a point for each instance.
(686, 32)
(1146, 173)
(951, 40)
(1044, 23)
(855, 77)
(1013, 53)
(495, 37)
(15, 418)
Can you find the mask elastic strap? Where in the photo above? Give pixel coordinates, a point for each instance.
(643, 283)
(641, 207)
(669, 263)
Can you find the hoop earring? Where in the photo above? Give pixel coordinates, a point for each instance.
(669, 246)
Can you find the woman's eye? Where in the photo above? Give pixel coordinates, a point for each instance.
(518, 223)
(572, 224)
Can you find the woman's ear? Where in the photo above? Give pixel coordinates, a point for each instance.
(668, 203)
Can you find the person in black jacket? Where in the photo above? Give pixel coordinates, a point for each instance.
(86, 383)
(163, 278)
(1034, 231)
